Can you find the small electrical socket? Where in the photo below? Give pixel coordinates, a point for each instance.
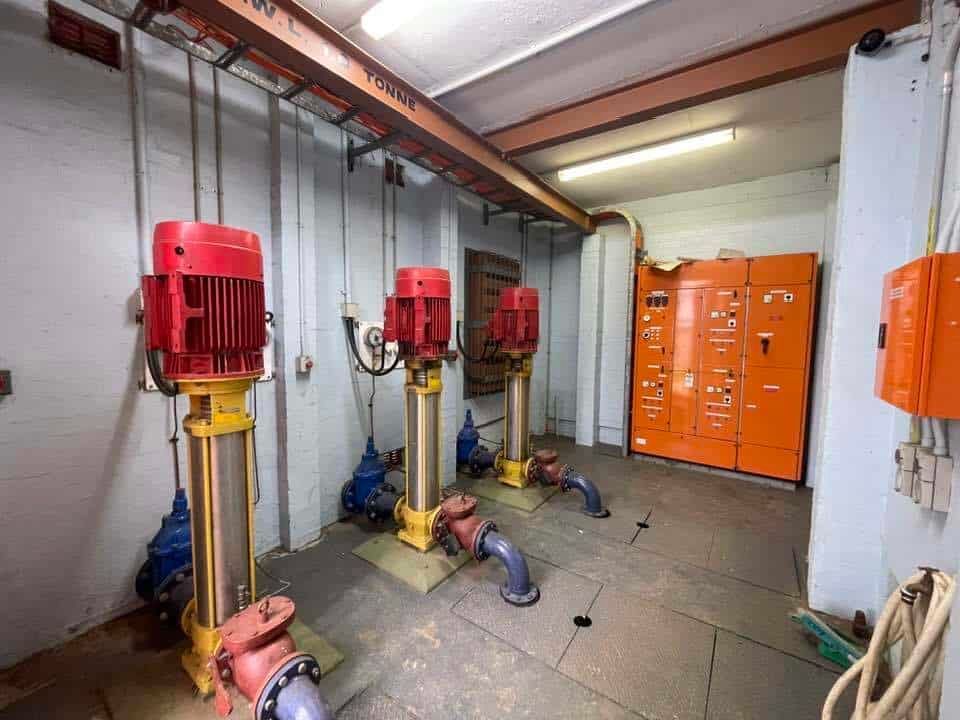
(304, 364)
(350, 310)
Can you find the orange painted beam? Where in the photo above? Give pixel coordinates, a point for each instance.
(807, 51)
(299, 41)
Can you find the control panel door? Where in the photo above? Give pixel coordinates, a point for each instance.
(724, 311)
(686, 329)
(719, 404)
(778, 326)
(773, 407)
(651, 397)
(655, 320)
(683, 401)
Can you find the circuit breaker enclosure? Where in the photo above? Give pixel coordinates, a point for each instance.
(722, 355)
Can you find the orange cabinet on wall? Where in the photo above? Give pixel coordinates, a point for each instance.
(738, 353)
(918, 343)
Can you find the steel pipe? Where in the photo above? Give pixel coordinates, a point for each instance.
(519, 589)
(592, 503)
(566, 478)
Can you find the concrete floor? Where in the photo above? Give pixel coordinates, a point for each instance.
(690, 619)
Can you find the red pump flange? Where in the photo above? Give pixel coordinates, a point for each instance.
(516, 322)
(205, 307)
(417, 316)
(259, 656)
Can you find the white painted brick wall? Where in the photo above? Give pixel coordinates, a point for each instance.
(86, 467)
(865, 537)
(564, 324)
(501, 236)
(590, 271)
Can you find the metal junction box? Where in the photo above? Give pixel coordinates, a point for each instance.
(722, 362)
(918, 343)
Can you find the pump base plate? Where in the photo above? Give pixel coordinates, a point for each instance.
(421, 571)
(527, 499)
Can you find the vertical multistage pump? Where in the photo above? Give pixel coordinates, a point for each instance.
(417, 317)
(515, 328)
(204, 309)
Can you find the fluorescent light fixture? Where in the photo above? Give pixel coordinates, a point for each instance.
(387, 15)
(649, 153)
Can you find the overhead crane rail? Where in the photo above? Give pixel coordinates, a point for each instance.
(284, 49)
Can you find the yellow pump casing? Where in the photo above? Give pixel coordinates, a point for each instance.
(220, 442)
(422, 454)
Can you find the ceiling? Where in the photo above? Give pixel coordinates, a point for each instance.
(787, 127)
(782, 128)
(455, 37)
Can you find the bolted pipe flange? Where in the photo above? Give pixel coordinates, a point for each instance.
(533, 471)
(477, 549)
(529, 598)
(346, 497)
(280, 679)
(570, 479)
(381, 503)
(440, 531)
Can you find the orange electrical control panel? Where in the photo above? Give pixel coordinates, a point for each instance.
(722, 362)
(918, 345)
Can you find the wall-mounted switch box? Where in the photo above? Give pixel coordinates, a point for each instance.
(906, 459)
(6, 383)
(918, 340)
(304, 364)
(926, 478)
(942, 484)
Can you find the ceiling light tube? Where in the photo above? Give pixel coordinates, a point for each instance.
(649, 153)
(387, 15)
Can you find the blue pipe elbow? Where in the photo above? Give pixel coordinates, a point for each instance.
(519, 589)
(592, 502)
(301, 700)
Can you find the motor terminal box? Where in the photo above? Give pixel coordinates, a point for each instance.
(918, 341)
(722, 362)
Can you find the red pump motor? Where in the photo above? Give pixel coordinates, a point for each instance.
(205, 306)
(417, 316)
(516, 323)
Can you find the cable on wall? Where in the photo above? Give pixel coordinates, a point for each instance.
(218, 141)
(300, 294)
(194, 136)
(393, 209)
